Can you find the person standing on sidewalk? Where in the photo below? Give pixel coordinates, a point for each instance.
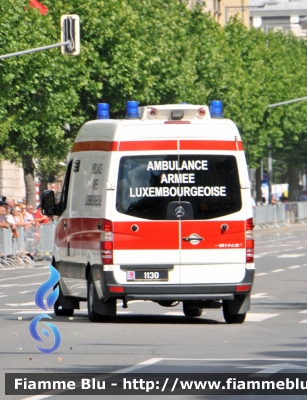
(3, 220)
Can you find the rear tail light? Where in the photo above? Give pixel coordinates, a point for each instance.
(116, 289)
(249, 241)
(106, 242)
(243, 288)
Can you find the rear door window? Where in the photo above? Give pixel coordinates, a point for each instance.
(152, 187)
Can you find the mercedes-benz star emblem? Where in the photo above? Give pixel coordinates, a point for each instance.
(179, 211)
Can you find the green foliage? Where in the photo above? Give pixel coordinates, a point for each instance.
(154, 52)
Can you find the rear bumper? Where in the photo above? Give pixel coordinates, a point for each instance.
(158, 292)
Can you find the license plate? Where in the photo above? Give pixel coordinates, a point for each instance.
(147, 275)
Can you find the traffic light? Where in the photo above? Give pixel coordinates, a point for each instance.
(70, 31)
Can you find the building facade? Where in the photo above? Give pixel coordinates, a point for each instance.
(12, 184)
(288, 15)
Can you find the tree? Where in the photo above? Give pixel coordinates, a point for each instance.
(39, 91)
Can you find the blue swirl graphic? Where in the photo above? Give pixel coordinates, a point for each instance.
(45, 287)
(35, 335)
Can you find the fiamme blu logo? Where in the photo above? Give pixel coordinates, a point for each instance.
(46, 294)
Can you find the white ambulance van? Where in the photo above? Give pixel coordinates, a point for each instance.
(155, 207)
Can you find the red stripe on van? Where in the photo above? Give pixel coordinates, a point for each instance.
(98, 145)
(214, 237)
(148, 145)
(156, 145)
(210, 145)
(150, 235)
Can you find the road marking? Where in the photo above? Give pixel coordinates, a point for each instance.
(27, 291)
(277, 270)
(258, 317)
(291, 255)
(295, 266)
(28, 312)
(303, 312)
(143, 364)
(272, 369)
(259, 295)
(124, 312)
(26, 284)
(31, 303)
(4, 295)
(304, 321)
(24, 276)
(261, 273)
(173, 313)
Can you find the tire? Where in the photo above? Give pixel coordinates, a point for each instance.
(233, 318)
(92, 298)
(190, 310)
(59, 310)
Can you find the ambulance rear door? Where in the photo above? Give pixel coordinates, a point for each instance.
(212, 238)
(146, 230)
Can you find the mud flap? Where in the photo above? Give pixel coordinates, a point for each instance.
(107, 307)
(240, 304)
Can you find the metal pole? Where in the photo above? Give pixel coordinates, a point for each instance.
(270, 174)
(286, 102)
(19, 53)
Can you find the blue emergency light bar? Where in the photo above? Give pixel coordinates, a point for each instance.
(132, 110)
(216, 109)
(103, 111)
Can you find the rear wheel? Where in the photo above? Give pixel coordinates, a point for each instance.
(92, 299)
(191, 310)
(232, 318)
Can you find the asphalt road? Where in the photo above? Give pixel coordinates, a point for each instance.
(148, 338)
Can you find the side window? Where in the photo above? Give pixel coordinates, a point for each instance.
(65, 189)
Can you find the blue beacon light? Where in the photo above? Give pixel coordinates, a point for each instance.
(103, 111)
(216, 109)
(132, 110)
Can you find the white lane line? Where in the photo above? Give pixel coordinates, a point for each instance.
(174, 313)
(141, 365)
(261, 273)
(4, 295)
(27, 291)
(31, 303)
(26, 284)
(291, 255)
(295, 266)
(30, 312)
(258, 295)
(124, 312)
(258, 317)
(304, 321)
(24, 276)
(303, 312)
(277, 270)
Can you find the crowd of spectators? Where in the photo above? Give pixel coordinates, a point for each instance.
(18, 214)
(14, 214)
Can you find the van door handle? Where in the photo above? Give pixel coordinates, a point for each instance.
(189, 239)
